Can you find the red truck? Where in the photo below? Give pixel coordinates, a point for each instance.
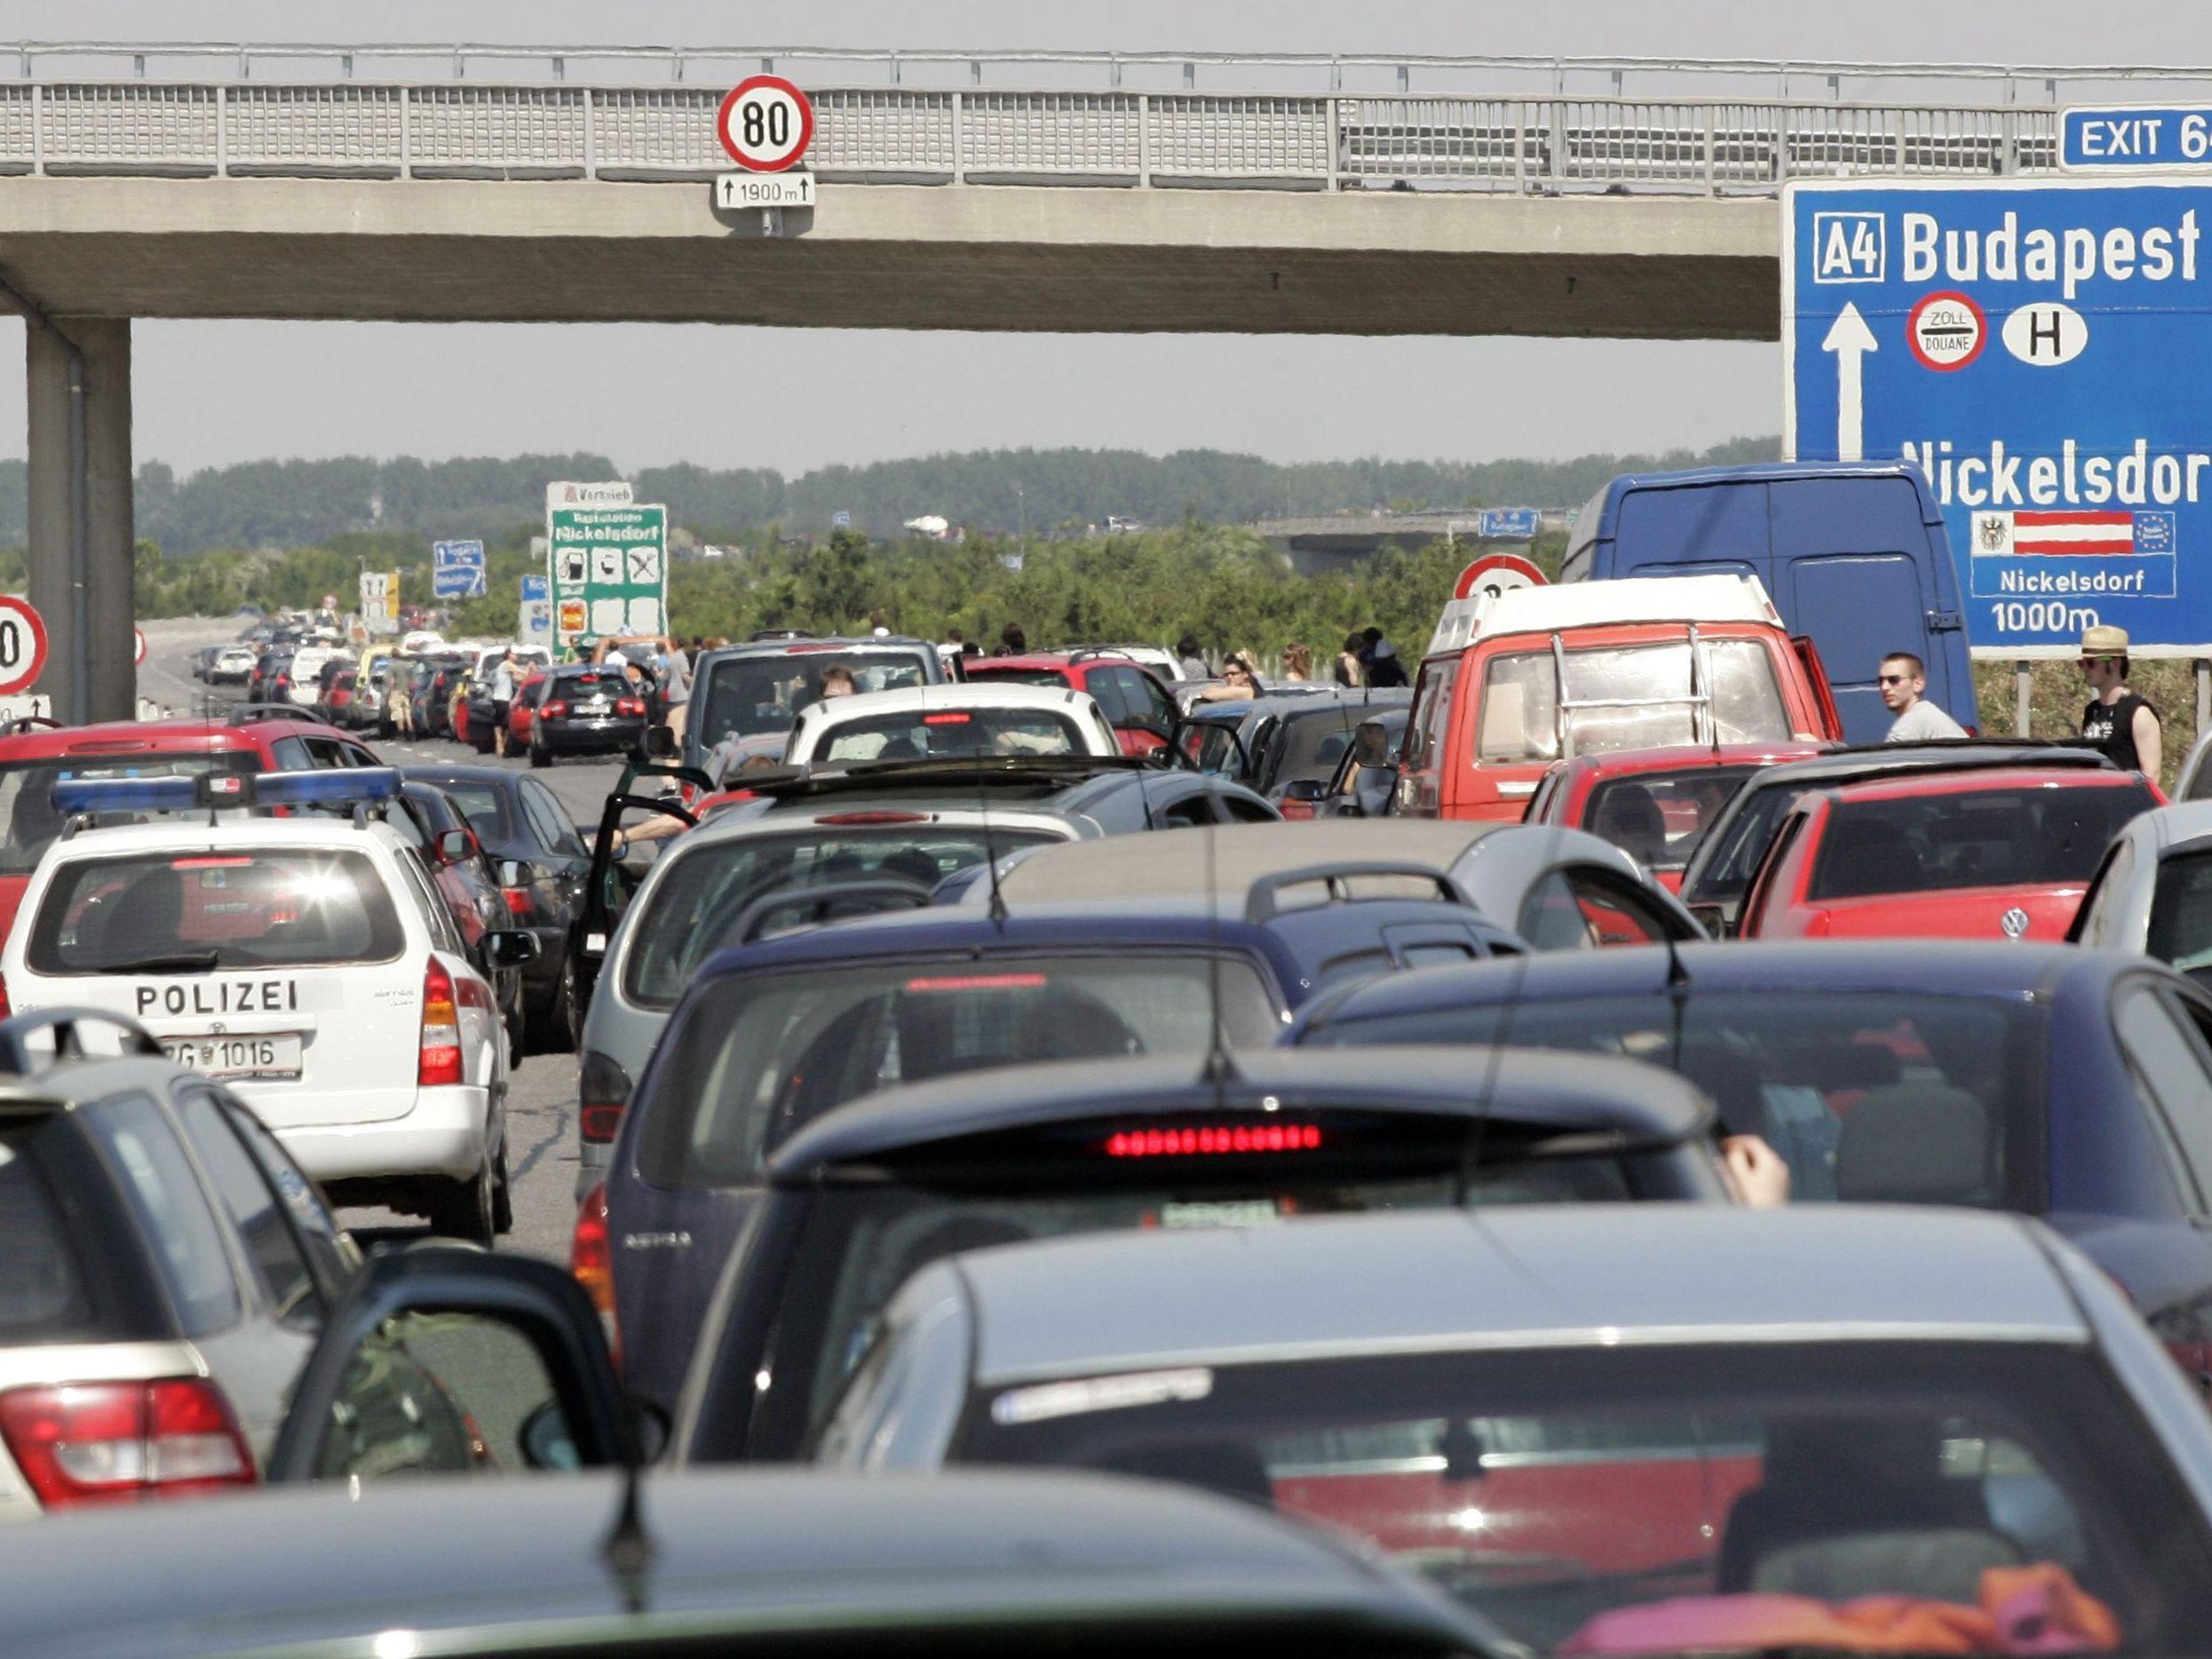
(1515, 682)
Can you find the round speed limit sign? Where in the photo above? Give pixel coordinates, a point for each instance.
(765, 124)
(22, 645)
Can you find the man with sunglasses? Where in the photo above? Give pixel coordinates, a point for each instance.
(1904, 680)
(2117, 721)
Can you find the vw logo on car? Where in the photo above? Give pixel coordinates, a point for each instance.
(2014, 923)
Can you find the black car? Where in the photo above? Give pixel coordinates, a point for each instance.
(542, 863)
(433, 695)
(270, 680)
(585, 708)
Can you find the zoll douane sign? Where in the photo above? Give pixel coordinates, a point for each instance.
(767, 124)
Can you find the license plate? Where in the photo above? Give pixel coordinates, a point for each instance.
(762, 190)
(272, 1057)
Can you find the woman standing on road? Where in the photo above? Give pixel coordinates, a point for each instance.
(1297, 664)
(1346, 671)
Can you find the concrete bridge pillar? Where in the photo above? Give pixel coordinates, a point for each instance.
(88, 670)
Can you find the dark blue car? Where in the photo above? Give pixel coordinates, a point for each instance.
(2073, 1085)
(772, 1035)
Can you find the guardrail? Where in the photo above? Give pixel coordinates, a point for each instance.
(991, 136)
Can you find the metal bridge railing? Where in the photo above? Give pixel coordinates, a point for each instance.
(462, 129)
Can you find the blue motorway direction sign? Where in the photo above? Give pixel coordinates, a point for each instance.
(1507, 524)
(2135, 137)
(2038, 348)
(456, 570)
(536, 589)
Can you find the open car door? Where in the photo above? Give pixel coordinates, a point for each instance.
(608, 886)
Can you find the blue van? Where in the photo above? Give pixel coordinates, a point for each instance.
(1852, 553)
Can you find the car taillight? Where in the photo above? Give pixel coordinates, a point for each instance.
(1294, 811)
(554, 710)
(602, 1092)
(629, 706)
(1211, 1140)
(105, 1442)
(591, 1260)
(5, 1011)
(440, 1059)
(519, 901)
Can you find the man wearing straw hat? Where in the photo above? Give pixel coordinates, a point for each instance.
(2117, 721)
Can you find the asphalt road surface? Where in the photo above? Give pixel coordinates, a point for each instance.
(541, 1104)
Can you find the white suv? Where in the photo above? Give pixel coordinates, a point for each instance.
(962, 720)
(308, 666)
(308, 962)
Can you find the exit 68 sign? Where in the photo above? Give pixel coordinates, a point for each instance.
(765, 124)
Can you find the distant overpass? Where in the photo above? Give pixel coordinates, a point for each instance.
(1061, 191)
(1338, 541)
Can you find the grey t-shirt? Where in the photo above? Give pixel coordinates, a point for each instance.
(1923, 721)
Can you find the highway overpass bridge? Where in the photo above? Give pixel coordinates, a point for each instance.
(1054, 191)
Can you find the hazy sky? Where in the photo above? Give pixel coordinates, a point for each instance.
(212, 392)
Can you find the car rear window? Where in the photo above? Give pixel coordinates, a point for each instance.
(1641, 697)
(2034, 835)
(1871, 1096)
(1658, 817)
(862, 1241)
(759, 1057)
(481, 804)
(2181, 912)
(752, 696)
(688, 915)
(238, 908)
(606, 685)
(1309, 745)
(27, 791)
(45, 1295)
(926, 735)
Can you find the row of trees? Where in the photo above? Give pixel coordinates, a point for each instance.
(292, 503)
(1223, 585)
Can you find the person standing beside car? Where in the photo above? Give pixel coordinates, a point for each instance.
(2117, 721)
(1903, 682)
(502, 700)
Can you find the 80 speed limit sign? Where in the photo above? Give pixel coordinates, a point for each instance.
(22, 645)
(765, 124)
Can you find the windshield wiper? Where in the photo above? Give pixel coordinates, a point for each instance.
(176, 961)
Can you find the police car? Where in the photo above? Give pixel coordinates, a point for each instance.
(306, 961)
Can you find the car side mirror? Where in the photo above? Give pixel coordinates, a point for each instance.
(1712, 917)
(1310, 789)
(510, 948)
(660, 742)
(454, 846)
(445, 1360)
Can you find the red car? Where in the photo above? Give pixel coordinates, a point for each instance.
(33, 754)
(2002, 854)
(1654, 803)
(1141, 710)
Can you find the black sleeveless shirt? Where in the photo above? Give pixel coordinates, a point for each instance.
(2111, 728)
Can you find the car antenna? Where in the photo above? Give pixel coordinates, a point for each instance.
(1220, 1070)
(629, 1551)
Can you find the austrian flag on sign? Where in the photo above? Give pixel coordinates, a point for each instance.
(2072, 535)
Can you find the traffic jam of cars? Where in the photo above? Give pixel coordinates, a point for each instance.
(1636, 1142)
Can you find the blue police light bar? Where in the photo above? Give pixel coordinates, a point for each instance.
(126, 795)
(334, 786)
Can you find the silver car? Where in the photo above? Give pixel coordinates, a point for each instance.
(696, 893)
(164, 1268)
(2152, 894)
(1609, 1428)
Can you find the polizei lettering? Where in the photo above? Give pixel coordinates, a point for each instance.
(2069, 256)
(236, 997)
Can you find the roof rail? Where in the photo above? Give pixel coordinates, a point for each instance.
(1090, 651)
(246, 713)
(866, 898)
(965, 772)
(15, 1034)
(1263, 903)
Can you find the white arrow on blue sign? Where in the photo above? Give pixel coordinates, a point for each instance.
(2037, 347)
